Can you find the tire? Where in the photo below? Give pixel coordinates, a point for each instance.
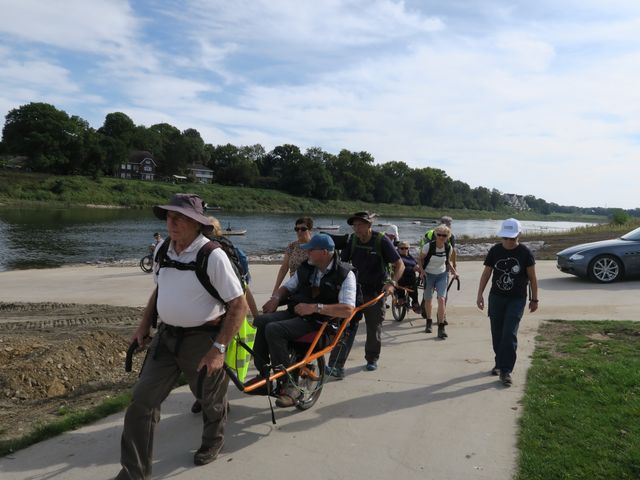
(146, 263)
(605, 269)
(310, 388)
(398, 311)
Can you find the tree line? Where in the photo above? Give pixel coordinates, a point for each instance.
(54, 142)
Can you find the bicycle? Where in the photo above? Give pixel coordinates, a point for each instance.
(146, 262)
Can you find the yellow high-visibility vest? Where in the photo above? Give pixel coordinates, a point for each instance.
(237, 357)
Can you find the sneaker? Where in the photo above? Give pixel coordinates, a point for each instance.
(495, 371)
(371, 366)
(205, 455)
(335, 372)
(505, 378)
(196, 407)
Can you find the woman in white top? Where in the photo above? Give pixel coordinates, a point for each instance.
(435, 265)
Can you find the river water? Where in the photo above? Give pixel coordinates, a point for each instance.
(52, 237)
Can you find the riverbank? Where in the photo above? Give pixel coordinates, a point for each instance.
(40, 189)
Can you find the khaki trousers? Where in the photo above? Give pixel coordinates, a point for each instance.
(159, 375)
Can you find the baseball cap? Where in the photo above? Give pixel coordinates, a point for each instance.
(510, 228)
(321, 241)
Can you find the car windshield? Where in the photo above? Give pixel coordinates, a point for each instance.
(632, 235)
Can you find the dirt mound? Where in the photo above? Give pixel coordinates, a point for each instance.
(60, 357)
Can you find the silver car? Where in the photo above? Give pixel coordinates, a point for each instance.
(605, 261)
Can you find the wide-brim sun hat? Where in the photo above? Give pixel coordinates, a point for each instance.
(364, 216)
(188, 204)
(510, 228)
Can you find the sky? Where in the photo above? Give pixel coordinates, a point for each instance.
(536, 98)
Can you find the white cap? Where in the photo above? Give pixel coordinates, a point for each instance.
(393, 230)
(511, 228)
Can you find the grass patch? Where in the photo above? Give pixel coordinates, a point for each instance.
(582, 403)
(70, 421)
(36, 188)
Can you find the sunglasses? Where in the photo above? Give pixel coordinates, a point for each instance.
(508, 238)
(301, 229)
(403, 248)
(441, 234)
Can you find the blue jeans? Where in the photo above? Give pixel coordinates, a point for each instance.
(505, 314)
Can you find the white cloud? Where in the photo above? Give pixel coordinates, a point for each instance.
(533, 98)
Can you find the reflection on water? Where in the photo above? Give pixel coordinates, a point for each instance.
(49, 237)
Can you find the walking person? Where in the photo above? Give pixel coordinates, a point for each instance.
(293, 254)
(435, 264)
(511, 267)
(193, 331)
(370, 252)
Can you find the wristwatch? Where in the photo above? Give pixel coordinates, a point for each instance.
(220, 346)
(319, 307)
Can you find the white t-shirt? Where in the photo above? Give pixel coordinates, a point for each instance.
(437, 263)
(182, 300)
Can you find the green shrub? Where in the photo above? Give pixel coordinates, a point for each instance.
(619, 217)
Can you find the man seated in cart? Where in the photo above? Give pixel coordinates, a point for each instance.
(322, 288)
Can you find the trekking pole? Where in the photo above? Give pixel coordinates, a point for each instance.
(133, 348)
(457, 279)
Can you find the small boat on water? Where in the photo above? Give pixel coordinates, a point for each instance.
(212, 208)
(235, 232)
(416, 222)
(231, 231)
(383, 224)
(329, 227)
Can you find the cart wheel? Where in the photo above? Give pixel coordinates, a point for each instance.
(309, 380)
(146, 263)
(398, 311)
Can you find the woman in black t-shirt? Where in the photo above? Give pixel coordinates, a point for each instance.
(513, 267)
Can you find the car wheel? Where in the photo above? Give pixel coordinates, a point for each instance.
(605, 269)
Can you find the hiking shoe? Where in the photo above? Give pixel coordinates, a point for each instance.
(505, 378)
(196, 407)
(495, 371)
(428, 328)
(441, 333)
(287, 397)
(335, 372)
(371, 366)
(205, 455)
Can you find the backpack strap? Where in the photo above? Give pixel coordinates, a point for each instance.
(432, 250)
(202, 260)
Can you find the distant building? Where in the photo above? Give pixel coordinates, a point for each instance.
(516, 201)
(140, 166)
(203, 174)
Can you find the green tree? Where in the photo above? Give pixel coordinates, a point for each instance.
(118, 125)
(42, 133)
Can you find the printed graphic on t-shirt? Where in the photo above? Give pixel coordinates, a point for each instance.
(508, 268)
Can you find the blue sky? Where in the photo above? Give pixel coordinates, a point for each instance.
(535, 98)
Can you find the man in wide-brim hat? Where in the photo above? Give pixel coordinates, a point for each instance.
(194, 328)
(370, 252)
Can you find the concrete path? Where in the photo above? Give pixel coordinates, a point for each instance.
(431, 411)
